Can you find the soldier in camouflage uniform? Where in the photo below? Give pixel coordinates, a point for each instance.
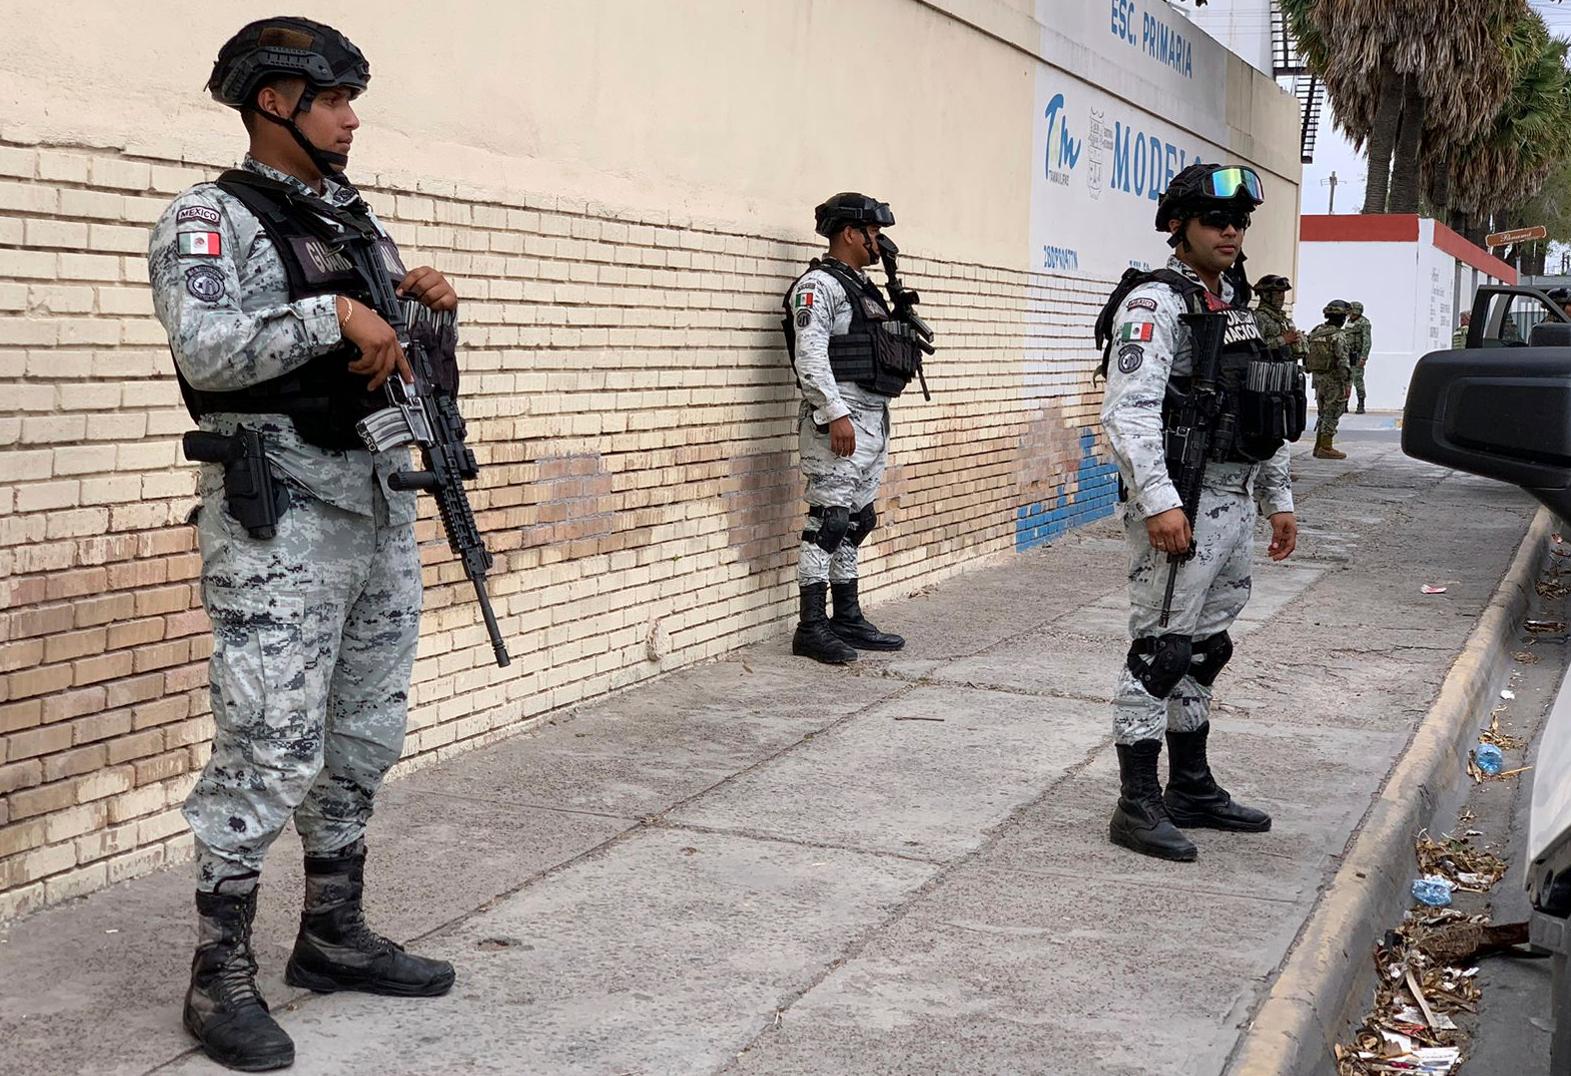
(1360, 340)
(838, 326)
(1276, 327)
(1330, 361)
(1164, 685)
(1459, 337)
(316, 618)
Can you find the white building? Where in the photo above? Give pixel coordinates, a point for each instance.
(1414, 276)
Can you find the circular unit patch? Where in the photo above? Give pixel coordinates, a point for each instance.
(205, 283)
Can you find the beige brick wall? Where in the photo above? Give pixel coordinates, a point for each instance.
(630, 401)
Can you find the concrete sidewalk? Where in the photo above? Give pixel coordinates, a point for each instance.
(765, 866)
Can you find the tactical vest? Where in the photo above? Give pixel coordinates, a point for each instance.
(322, 398)
(1322, 349)
(869, 353)
(1261, 398)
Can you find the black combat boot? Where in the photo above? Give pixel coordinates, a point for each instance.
(335, 950)
(814, 638)
(223, 1008)
(1194, 798)
(1140, 822)
(849, 623)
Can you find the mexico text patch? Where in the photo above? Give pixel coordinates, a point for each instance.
(197, 212)
(1141, 303)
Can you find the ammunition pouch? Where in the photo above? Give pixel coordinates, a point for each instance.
(1273, 406)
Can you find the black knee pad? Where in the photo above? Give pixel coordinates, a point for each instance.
(1160, 663)
(862, 524)
(1211, 653)
(833, 523)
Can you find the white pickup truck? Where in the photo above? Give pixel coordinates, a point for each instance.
(1501, 407)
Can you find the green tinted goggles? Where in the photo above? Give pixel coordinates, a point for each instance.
(1231, 182)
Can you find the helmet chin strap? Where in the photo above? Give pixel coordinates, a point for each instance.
(867, 245)
(329, 163)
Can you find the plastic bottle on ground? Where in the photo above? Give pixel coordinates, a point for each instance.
(1489, 758)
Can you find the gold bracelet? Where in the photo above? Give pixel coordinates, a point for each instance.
(350, 307)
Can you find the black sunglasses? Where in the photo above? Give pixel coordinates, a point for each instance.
(1220, 219)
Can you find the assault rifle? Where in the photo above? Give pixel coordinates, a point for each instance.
(1196, 425)
(420, 414)
(903, 301)
(424, 413)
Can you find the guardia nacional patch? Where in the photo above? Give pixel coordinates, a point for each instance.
(1130, 356)
(205, 283)
(804, 318)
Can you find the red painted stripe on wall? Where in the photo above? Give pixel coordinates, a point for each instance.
(1358, 228)
(1476, 256)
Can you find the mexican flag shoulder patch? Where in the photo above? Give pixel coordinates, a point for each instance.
(1136, 332)
(804, 299)
(201, 244)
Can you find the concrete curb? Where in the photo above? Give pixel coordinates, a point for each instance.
(1328, 975)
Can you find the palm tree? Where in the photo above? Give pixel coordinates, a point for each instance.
(1528, 137)
(1524, 46)
(1395, 69)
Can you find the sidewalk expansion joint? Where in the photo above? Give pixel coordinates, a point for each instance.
(799, 842)
(937, 679)
(521, 804)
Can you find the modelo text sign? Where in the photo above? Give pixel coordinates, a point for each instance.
(1099, 166)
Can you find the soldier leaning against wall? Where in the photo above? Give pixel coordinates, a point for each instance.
(852, 355)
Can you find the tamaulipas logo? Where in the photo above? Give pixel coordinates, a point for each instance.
(1063, 149)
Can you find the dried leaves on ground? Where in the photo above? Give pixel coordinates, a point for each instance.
(1426, 968)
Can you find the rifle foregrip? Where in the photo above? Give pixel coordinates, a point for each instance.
(407, 480)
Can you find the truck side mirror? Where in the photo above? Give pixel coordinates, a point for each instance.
(1502, 413)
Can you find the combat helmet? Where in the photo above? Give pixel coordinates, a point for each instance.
(1200, 187)
(852, 208)
(290, 47)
